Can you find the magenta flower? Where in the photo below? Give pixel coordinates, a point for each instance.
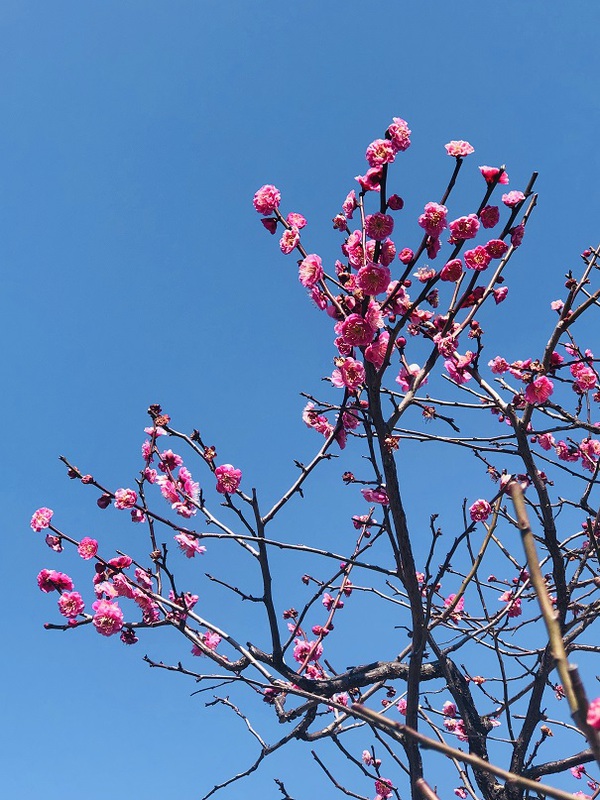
(379, 226)
(289, 240)
(303, 650)
(350, 205)
(87, 548)
(480, 510)
(578, 771)
(449, 709)
(491, 173)
(125, 498)
(108, 618)
(369, 182)
(387, 252)
(373, 279)
(70, 604)
(490, 216)
(49, 580)
(375, 352)
(267, 199)
(399, 134)
(189, 545)
(496, 248)
(539, 390)
(512, 199)
(310, 271)
(455, 615)
(296, 220)
(228, 479)
(378, 495)
(395, 202)
(516, 235)
(513, 604)
(401, 706)
(433, 219)
(356, 331)
(351, 374)
(41, 519)
(452, 270)
(459, 148)
(406, 255)
(477, 259)
(464, 228)
(500, 294)
(461, 792)
(380, 152)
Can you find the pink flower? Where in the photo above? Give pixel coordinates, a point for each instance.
(480, 510)
(401, 706)
(512, 199)
(387, 252)
(289, 240)
(459, 148)
(351, 374)
(228, 479)
(593, 714)
(395, 202)
(490, 216)
(380, 152)
(169, 461)
(452, 270)
(516, 235)
(125, 498)
(378, 226)
(267, 199)
(383, 787)
(477, 259)
(49, 580)
(355, 330)
(461, 792)
(433, 246)
(303, 650)
(371, 180)
(433, 219)
(378, 495)
(296, 220)
(498, 365)
(41, 519)
(491, 173)
(310, 271)
(349, 205)
(546, 441)
(514, 604)
(375, 352)
(399, 134)
(108, 618)
(496, 248)
(464, 228)
(455, 615)
(585, 377)
(87, 548)
(500, 294)
(424, 274)
(189, 545)
(449, 709)
(70, 604)
(539, 390)
(406, 377)
(406, 255)
(373, 279)
(578, 771)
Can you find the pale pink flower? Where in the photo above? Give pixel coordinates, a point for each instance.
(459, 148)
(593, 714)
(496, 248)
(41, 519)
(150, 610)
(380, 152)
(373, 279)
(108, 618)
(379, 226)
(424, 274)
(310, 270)
(267, 199)
(461, 731)
(490, 216)
(143, 578)
(539, 390)
(168, 489)
(433, 219)
(49, 580)
(296, 220)
(125, 498)
(557, 305)
(512, 199)
(289, 240)
(399, 134)
(452, 270)
(355, 330)
(464, 228)
(480, 510)
(378, 495)
(87, 548)
(368, 759)
(189, 545)
(449, 709)
(455, 615)
(70, 604)
(228, 479)
(350, 374)
(477, 259)
(585, 377)
(491, 173)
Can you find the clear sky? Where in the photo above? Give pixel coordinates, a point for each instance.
(133, 136)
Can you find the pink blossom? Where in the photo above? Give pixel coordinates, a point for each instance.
(433, 246)
(70, 604)
(455, 615)
(480, 510)
(375, 352)
(378, 495)
(490, 216)
(87, 548)
(169, 461)
(368, 760)
(406, 377)
(228, 479)
(395, 202)
(189, 545)
(373, 279)
(120, 562)
(539, 390)
(433, 219)
(379, 226)
(491, 173)
(452, 270)
(296, 220)
(54, 543)
(349, 205)
(125, 498)
(303, 650)
(355, 330)
(310, 271)
(123, 586)
(406, 255)
(401, 706)
(566, 453)
(289, 240)
(585, 377)
(41, 519)
(459, 374)
(369, 182)
(500, 294)
(449, 709)
(464, 228)
(399, 134)
(49, 580)
(546, 441)
(383, 787)
(512, 199)
(578, 771)
(461, 792)
(593, 714)
(498, 365)
(496, 248)
(424, 274)
(387, 252)
(380, 152)
(267, 199)
(108, 618)
(143, 578)
(459, 148)
(150, 610)
(350, 374)
(516, 235)
(514, 604)
(477, 259)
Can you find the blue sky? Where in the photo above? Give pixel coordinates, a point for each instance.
(133, 137)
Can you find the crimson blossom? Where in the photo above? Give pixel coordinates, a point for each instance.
(418, 624)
